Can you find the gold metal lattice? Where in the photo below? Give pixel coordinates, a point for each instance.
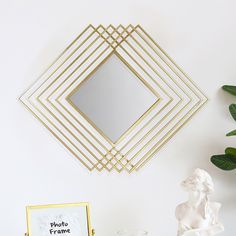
(178, 98)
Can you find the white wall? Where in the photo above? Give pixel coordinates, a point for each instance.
(35, 169)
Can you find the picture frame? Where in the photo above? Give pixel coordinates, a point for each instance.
(71, 219)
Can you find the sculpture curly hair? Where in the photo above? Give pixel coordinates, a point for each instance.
(199, 180)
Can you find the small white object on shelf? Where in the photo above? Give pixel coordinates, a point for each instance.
(132, 232)
(198, 216)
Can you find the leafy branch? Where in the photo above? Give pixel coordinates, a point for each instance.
(227, 161)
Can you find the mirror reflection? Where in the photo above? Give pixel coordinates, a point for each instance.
(113, 98)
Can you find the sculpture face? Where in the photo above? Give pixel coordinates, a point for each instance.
(196, 196)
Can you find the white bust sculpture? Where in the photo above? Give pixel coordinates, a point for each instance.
(198, 216)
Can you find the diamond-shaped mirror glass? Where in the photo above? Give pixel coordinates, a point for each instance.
(113, 98)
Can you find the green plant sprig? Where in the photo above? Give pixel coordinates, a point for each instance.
(227, 161)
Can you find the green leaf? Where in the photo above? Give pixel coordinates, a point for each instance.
(232, 133)
(230, 151)
(230, 89)
(232, 109)
(224, 162)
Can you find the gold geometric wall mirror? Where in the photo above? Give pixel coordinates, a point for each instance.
(113, 98)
